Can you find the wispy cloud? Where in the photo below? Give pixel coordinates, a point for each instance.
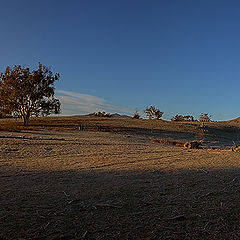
(77, 103)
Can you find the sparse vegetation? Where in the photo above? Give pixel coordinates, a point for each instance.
(153, 113)
(10, 126)
(180, 118)
(100, 114)
(102, 185)
(205, 117)
(136, 115)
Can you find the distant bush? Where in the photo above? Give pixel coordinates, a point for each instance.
(153, 113)
(180, 118)
(205, 117)
(100, 114)
(136, 115)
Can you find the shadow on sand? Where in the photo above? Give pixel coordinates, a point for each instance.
(120, 205)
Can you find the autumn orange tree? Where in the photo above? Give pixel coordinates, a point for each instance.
(25, 93)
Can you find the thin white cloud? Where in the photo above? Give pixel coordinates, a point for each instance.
(77, 103)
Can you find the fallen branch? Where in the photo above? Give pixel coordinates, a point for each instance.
(66, 194)
(167, 142)
(166, 228)
(106, 205)
(101, 229)
(205, 171)
(206, 195)
(84, 235)
(147, 202)
(45, 226)
(74, 201)
(233, 180)
(176, 218)
(234, 143)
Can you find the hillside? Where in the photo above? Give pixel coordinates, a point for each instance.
(58, 182)
(213, 133)
(236, 120)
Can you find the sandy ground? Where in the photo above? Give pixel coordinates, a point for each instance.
(101, 185)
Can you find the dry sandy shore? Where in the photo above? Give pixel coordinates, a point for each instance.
(99, 185)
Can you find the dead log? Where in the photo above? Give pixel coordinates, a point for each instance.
(167, 142)
(193, 145)
(235, 147)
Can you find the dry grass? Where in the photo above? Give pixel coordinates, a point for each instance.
(71, 184)
(10, 125)
(167, 142)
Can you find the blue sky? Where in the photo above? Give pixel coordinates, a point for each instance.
(118, 55)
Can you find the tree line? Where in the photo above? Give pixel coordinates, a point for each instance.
(25, 93)
(154, 113)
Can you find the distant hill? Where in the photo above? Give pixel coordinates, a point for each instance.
(108, 115)
(236, 120)
(117, 115)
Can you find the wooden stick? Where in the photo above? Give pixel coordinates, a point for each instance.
(66, 194)
(176, 218)
(204, 171)
(84, 235)
(106, 205)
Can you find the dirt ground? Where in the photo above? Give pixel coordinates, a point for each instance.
(103, 185)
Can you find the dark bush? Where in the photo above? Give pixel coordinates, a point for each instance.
(100, 114)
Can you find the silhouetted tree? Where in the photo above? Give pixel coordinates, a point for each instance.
(26, 93)
(205, 117)
(153, 113)
(136, 115)
(100, 114)
(181, 118)
(177, 118)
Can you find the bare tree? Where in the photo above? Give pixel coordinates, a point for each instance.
(26, 93)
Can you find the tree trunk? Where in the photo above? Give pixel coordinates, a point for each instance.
(26, 120)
